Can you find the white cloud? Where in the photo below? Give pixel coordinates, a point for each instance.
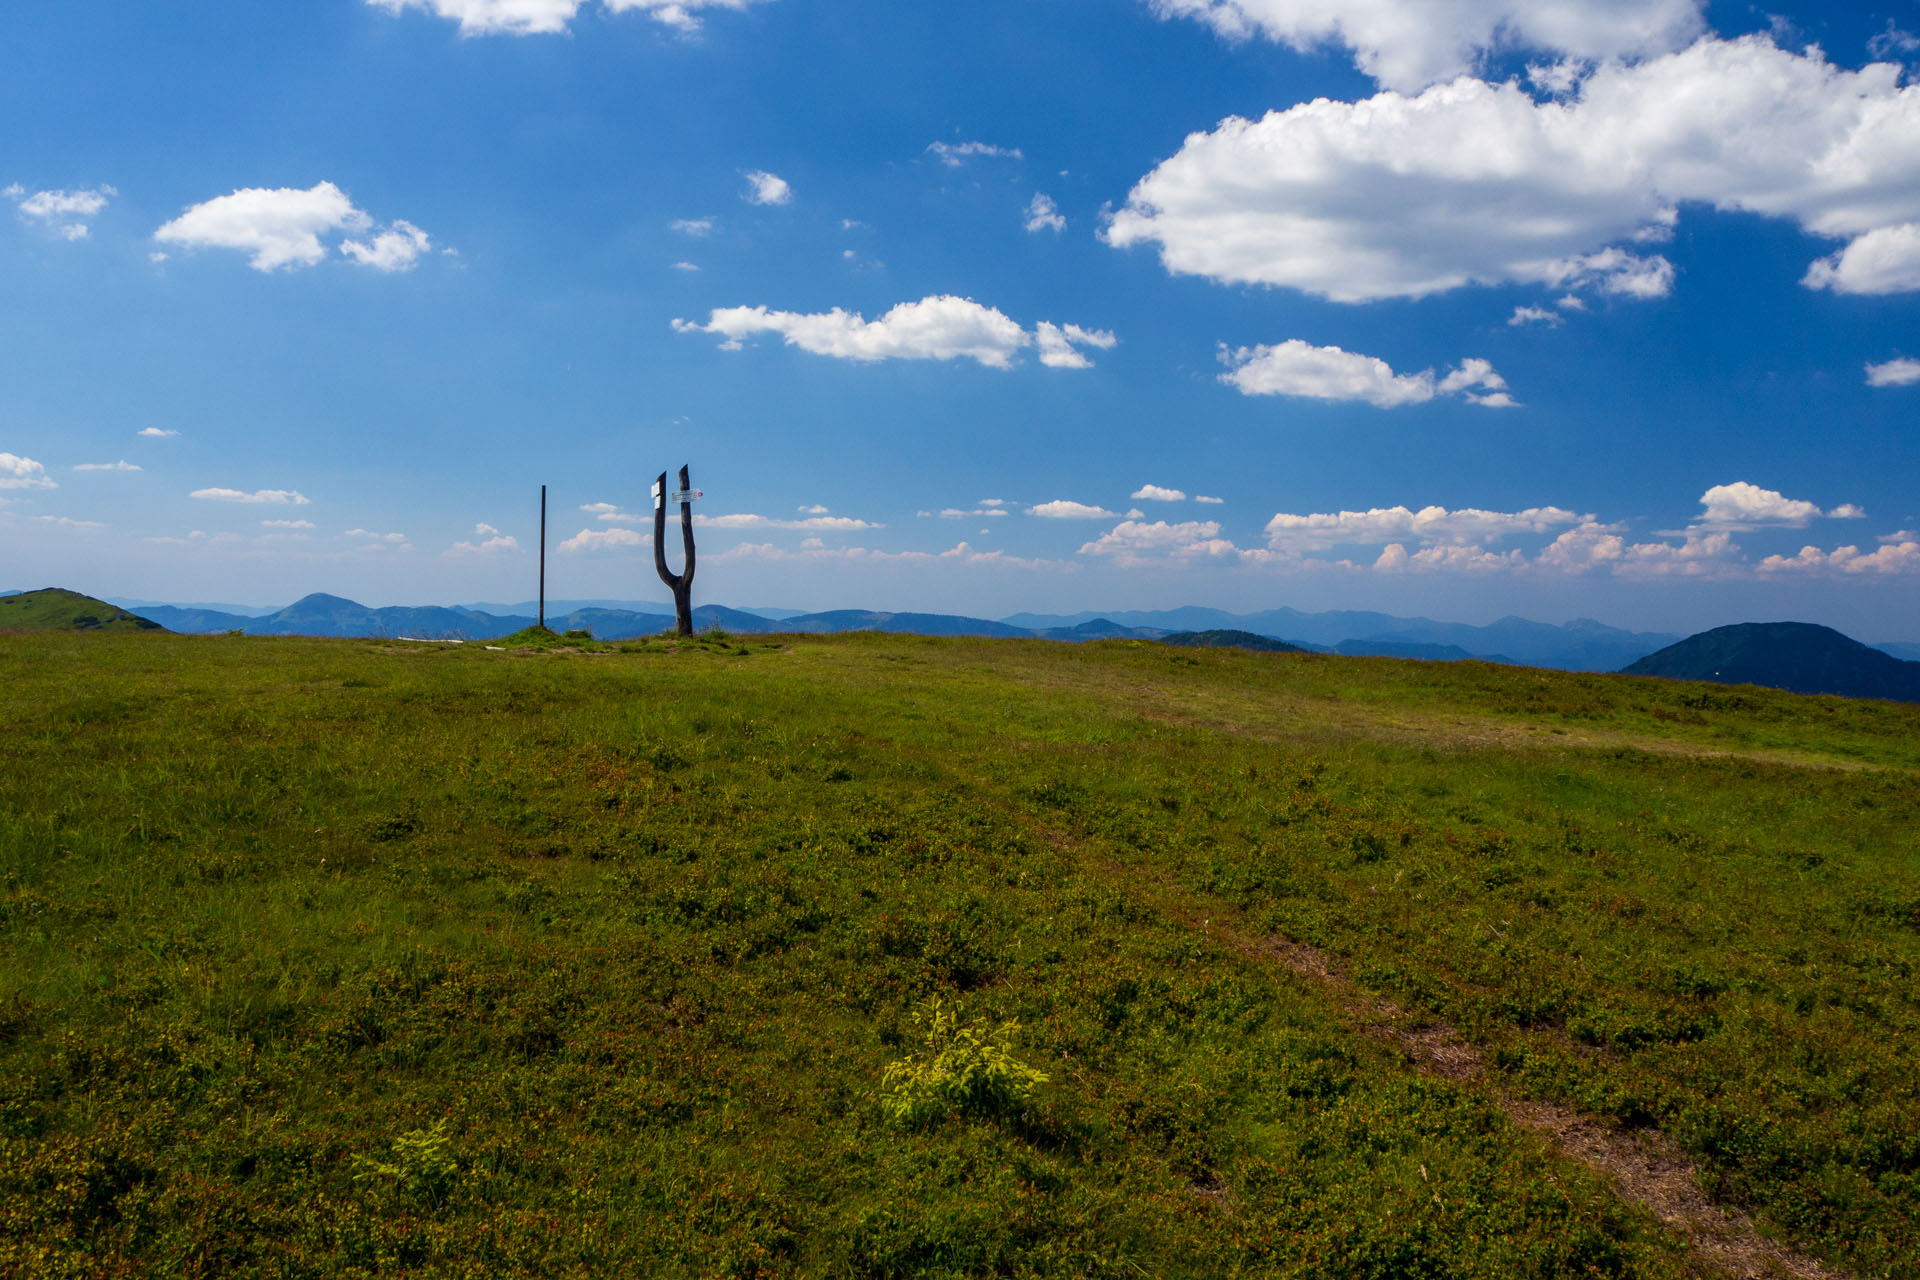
(490, 542)
(281, 228)
(1471, 182)
(157, 433)
(64, 212)
(376, 537)
(1133, 542)
(943, 327)
(1211, 502)
(1393, 558)
(1702, 555)
(1430, 525)
(815, 510)
(1058, 342)
(17, 472)
(286, 524)
(537, 17)
(767, 188)
(68, 522)
(961, 553)
(122, 465)
(1534, 315)
(696, 227)
(395, 249)
(685, 266)
(602, 540)
(607, 512)
(818, 524)
(1893, 41)
(280, 497)
(955, 154)
(981, 512)
(1044, 215)
(1296, 368)
(1891, 558)
(1894, 373)
(1157, 493)
(1061, 509)
(1408, 44)
(1747, 506)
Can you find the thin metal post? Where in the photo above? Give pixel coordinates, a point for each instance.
(543, 557)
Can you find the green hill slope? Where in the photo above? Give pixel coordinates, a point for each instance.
(57, 609)
(325, 957)
(1786, 655)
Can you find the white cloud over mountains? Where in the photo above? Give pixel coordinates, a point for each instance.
(1062, 509)
(1297, 368)
(282, 228)
(65, 213)
(1409, 44)
(1321, 532)
(942, 327)
(1400, 196)
(538, 17)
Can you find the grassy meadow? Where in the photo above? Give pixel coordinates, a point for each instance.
(335, 958)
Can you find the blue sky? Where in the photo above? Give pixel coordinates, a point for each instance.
(1561, 308)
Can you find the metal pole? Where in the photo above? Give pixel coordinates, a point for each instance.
(543, 557)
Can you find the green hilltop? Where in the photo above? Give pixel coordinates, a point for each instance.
(57, 609)
(882, 955)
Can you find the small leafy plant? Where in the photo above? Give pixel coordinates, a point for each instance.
(422, 1170)
(959, 1070)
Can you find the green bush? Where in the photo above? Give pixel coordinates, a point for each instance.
(959, 1070)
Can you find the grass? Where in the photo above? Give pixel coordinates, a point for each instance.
(349, 957)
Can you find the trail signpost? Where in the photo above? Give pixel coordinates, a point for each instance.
(681, 584)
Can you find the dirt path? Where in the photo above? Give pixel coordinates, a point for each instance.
(1646, 1167)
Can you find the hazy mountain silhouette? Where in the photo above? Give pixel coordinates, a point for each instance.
(1230, 639)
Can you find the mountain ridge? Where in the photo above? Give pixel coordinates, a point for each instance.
(1802, 657)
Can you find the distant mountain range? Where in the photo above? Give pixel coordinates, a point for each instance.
(1786, 655)
(1584, 645)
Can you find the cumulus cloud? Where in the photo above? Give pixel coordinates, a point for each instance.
(281, 228)
(1408, 44)
(66, 213)
(986, 510)
(122, 465)
(1059, 344)
(942, 327)
(812, 550)
(695, 227)
(602, 540)
(1534, 315)
(814, 509)
(1894, 373)
(278, 497)
(1394, 558)
(536, 17)
(487, 540)
(157, 433)
(767, 188)
(17, 472)
(1134, 542)
(1747, 506)
(1204, 500)
(68, 522)
(1470, 182)
(1890, 558)
(1431, 525)
(1297, 368)
(955, 154)
(821, 524)
(395, 249)
(1157, 493)
(1061, 509)
(1044, 215)
(286, 524)
(376, 537)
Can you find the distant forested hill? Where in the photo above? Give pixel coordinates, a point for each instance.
(1799, 656)
(57, 609)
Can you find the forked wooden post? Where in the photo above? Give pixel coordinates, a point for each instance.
(681, 584)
